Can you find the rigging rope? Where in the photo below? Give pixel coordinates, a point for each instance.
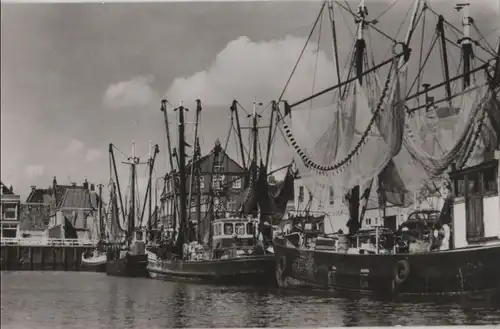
(303, 50)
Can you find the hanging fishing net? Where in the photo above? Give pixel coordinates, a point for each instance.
(365, 131)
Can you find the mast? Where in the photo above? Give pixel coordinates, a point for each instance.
(270, 135)
(359, 58)
(151, 164)
(173, 206)
(234, 110)
(194, 162)
(440, 27)
(182, 179)
(198, 190)
(255, 130)
(131, 222)
(465, 42)
(99, 213)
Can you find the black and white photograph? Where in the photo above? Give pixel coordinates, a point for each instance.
(241, 164)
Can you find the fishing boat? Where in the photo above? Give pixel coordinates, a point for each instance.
(226, 246)
(96, 260)
(127, 257)
(382, 133)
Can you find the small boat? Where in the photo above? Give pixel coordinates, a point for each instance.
(127, 262)
(128, 258)
(95, 261)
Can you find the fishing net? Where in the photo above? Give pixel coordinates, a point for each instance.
(365, 130)
(372, 135)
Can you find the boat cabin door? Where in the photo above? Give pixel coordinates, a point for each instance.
(474, 206)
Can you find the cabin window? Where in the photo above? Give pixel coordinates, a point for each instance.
(301, 193)
(239, 228)
(473, 184)
(460, 187)
(490, 181)
(237, 184)
(228, 229)
(332, 195)
(250, 229)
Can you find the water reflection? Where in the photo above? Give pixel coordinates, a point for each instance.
(82, 300)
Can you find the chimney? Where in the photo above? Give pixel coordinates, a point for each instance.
(92, 187)
(33, 188)
(85, 185)
(54, 183)
(11, 189)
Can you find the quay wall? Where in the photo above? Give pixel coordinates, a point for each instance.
(60, 255)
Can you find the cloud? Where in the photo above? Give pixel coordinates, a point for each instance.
(136, 92)
(74, 147)
(35, 170)
(244, 69)
(93, 155)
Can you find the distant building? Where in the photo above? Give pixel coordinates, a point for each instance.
(222, 173)
(9, 210)
(64, 210)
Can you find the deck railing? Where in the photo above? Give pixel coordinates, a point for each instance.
(45, 242)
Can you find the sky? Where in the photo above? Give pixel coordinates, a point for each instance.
(78, 76)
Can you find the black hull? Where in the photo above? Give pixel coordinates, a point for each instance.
(101, 268)
(451, 272)
(253, 270)
(128, 266)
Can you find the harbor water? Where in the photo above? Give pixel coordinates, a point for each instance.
(91, 300)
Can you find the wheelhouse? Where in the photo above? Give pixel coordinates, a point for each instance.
(228, 232)
(476, 206)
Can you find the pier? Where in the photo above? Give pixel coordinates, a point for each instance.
(43, 254)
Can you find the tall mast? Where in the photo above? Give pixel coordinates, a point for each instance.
(360, 49)
(151, 164)
(270, 134)
(466, 42)
(234, 111)
(255, 130)
(194, 162)
(182, 178)
(131, 221)
(99, 213)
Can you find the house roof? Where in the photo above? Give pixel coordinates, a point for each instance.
(212, 151)
(5, 189)
(39, 195)
(76, 197)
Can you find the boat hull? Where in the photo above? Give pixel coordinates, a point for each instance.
(254, 270)
(450, 272)
(128, 266)
(94, 264)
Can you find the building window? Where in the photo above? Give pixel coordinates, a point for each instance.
(231, 205)
(202, 183)
(332, 195)
(368, 221)
(217, 182)
(219, 164)
(9, 211)
(301, 193)
(237, 184)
